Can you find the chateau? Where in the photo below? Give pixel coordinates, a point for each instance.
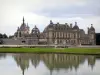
(60, 33)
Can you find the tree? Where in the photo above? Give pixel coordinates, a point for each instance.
(5, 36)
(1, 36)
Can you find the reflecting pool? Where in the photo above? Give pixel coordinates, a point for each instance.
(49, 64)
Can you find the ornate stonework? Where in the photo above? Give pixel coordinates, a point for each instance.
(61, 33)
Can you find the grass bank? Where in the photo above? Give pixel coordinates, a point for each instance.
(51, 50)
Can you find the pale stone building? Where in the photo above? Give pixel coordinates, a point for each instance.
(68, 33)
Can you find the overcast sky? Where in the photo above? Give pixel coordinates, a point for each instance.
(40, 12)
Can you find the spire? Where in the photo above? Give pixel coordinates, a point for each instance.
(23, 20)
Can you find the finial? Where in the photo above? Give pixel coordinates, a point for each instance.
(75, 23)
(91, 25)
(51, 22)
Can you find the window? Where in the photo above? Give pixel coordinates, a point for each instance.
(23, 41)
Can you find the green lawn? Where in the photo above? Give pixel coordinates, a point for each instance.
(51, 50)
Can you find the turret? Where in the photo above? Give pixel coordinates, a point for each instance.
(50, 26)
(91, 33)
(75, 26)
(35, 30)
(91, 30)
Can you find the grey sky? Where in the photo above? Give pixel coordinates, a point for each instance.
(88, 8)
(39, 12)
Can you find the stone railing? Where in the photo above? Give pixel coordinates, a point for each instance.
(51, 46)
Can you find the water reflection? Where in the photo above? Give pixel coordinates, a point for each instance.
(2, 55)
(53, 61)
(22, 61)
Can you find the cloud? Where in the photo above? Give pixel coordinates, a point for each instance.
(39, 12)
(88, 8)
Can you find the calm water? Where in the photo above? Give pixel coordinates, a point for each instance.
(49, 64)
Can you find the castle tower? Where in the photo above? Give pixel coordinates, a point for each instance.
(91, 33)
(50, 32)
(76, 29)
(23, 30)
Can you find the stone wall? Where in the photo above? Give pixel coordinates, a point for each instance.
(12, 42)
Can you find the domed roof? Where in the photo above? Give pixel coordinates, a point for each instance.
(35, 30)
(50, 25)
(75, 27)
(92, 28)
(23, 26)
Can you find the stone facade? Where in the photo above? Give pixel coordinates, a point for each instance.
(61, 33)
